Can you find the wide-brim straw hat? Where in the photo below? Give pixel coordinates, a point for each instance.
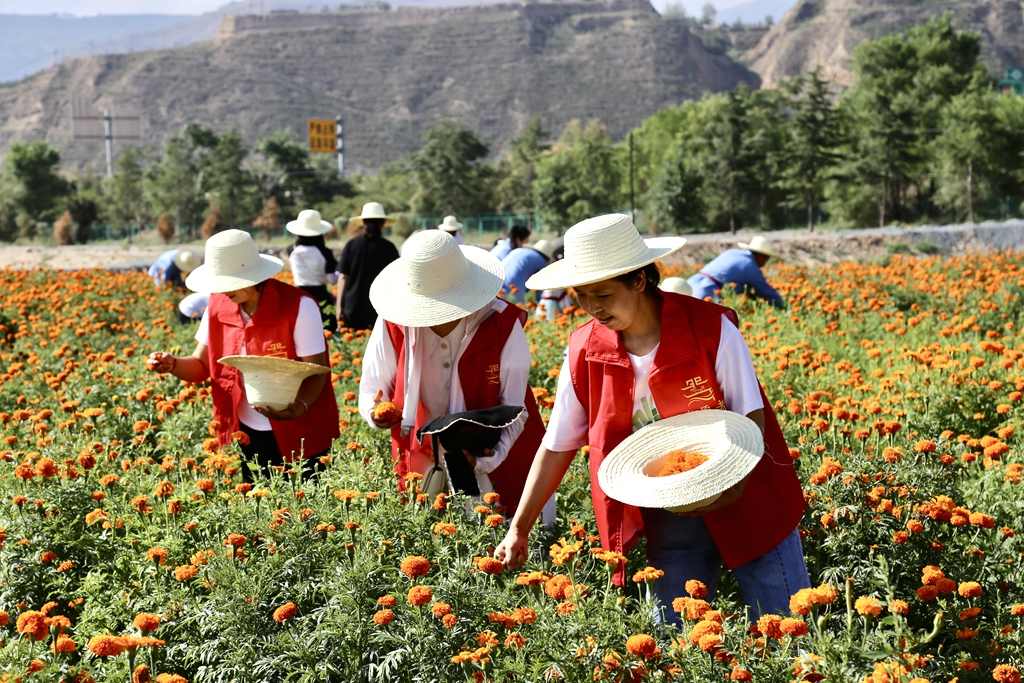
(272, 382)
(187, 261)
(435, 281)
(677, 285)
(308, 224)
(732, 443)
(545, 247)
(232, 262)
(450, 224)
(759, 245)
(601, 248)
(372, 210)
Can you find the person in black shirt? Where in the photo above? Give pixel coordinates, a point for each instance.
(362, 259)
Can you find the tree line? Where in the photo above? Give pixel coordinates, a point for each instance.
(921, 134)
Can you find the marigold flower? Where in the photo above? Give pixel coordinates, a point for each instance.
(1005, 673)
(969, 589)
(696, 589)
(945, 586)
(414, 566)
(106, 645)
(185, 572)
(1015, 610)
(445, 529)
(899, 607)
(285, 612)
(47, 556)
(703, 628)
(419, 595)
(642, 645)
(927, 593)
(388, 601)
(565, 608)
(514, 640)
(33, 624)
(738, 674)
(555, 586)
(868, 607)
(563, 551)
(141, 674)
(793, 627)
(449, 620)
(648, 574)
(170, 678)
(691, 608)
(5, 618)
(146, 622)
(440, 609)
(157, 555)
(236, 540)
(63, 645)
(489, 565)
(770, 626)
(383, 617)
(494, 521)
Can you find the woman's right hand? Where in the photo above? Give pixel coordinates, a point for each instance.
(379, 423)
(512, 550)
(161, 362)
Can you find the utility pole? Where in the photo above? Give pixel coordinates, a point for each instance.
(632, 208)
(341, 146)
(89, 124)
(108, 137)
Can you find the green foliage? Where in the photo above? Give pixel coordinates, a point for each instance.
(124, 199)
(33, 188)
(676, 198)
(518, 168)
(221, 174)
(172, 184)
(447, 169)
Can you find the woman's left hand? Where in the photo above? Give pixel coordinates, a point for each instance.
(295, 410)
(728, 497)
(472, 459)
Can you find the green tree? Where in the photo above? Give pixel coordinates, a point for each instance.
(34, 189)
(1008, 152)
(448, 172)
(518, 168)
(124, 198)
(966, 149)
(172, 184)
(725, 154)
(222, 177)
(579, 177)
(676, 198)
(813, 137)
(289, 173)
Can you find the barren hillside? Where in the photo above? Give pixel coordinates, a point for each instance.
(390, 74)
(827, 31)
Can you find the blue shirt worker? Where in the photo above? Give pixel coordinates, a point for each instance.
(521, 264)
(517, 236)
(740, 268)
(172, 267)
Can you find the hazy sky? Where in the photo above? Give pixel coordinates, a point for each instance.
(84, 8)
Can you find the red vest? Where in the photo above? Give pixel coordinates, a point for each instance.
(479, 369)
(270, 333)
(682, 379)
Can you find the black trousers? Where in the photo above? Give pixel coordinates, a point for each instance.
(263, 452)
(323, 298)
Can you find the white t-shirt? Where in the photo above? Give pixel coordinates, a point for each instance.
(308, 338)
(734, 372)
(194, 305)
(309, 267)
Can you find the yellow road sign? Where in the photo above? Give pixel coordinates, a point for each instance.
(323, 136)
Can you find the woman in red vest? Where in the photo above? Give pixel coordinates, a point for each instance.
(252, 314)
(442, 344)
(646, 355)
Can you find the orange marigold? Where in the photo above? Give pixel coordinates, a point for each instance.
(415, 565)
(642, 645)
(141, 674)
(285, 612)
(106, 645)
(696, 588)
(1005, 673)
(146, 622)
(419, 595)
(383, 617)
(33, 624)
(969, 589)
(63, 645)
(185, 572)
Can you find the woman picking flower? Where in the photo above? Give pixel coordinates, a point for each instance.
(250, 313)
(445, 344)
(646, 355)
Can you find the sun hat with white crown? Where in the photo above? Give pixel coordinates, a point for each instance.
(677, 285)
(372, 210)
(186, 260)
(308, 224)
(435, 281)
(759, 245)
(731, 443)
(232, 262)
(602, 248)
(272, 382)
(450, 224)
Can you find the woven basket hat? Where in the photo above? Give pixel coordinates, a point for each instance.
(186, 260)
(677, 285)
(601, 248)
(308, 224)
(232, 262)
(435, 281)
(732, 443)
(272, 382)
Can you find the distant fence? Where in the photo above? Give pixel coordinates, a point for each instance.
(481, 223)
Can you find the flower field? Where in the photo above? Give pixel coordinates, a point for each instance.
(130, 549)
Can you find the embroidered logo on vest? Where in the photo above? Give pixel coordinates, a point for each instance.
(277, 350)
(493, 376)
(697, 390)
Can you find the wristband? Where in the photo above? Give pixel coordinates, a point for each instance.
(303, 405)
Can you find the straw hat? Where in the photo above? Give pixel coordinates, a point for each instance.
(372, 210)
(308, 224)
(732, 443)
(545, 247)
(677, 285)
(232, 262)
(759, 245)
(450, 224)
(272, 382)
(186, 260)
(435, 281)
(601, 248)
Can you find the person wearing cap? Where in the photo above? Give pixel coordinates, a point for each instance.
(740, 268)
(252, 314)
(521, 264)
(172, 267)
(517, 236)
(677, 285)
(362, 260)
(646, 355)
(313, 264)
(453, 227)
(444, 344)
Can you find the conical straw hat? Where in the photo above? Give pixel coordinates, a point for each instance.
(732, 443)
(272, 382)
(601, 248)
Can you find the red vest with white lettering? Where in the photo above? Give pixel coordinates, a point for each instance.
(682, 380)
(269, 333)
(479, 376)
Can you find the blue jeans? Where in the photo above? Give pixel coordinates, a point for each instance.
(682, 548)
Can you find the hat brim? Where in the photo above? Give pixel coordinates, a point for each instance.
(497, 417)
(296, 228)
(732, 443)
(564, 274)
(449, 228)
(202, 279)
(274, 365)
(766, 252)
(393, 301)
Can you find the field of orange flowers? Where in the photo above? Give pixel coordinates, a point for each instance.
(130, 549)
